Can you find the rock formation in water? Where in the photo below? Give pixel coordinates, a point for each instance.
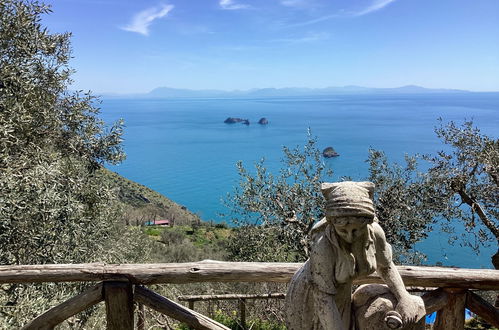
(233, 120)
(263, 121)
(330, 152)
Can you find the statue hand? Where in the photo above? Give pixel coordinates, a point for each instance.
(411, 308)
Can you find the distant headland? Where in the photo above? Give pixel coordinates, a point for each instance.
(168, 92)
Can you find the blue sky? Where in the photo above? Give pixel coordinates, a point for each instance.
(125, 46)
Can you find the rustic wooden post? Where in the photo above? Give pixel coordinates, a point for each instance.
(141, 318)
(452, 315)
(119, 305)
(191, 304)
(242, 312)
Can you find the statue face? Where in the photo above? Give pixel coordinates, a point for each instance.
(350, 228)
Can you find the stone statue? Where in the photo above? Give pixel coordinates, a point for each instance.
(348, 243)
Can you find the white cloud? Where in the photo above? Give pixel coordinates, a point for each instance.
(231, 5)
(375, 5)
(141, 21)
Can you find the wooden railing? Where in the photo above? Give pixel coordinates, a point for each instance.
(122, 285)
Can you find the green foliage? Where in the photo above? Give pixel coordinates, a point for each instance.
(461, 184)
(54, 207)
(401, 197)
(477, 323)
(468, 176)
(142, 204)
(184, 243)
(276, 213)
(234, 323)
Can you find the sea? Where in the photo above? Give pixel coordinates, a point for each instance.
(183, 149)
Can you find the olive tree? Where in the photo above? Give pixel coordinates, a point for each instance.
(460, 184)
(54, 207)
(275, 214)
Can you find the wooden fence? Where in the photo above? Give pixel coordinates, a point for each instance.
(121, 285)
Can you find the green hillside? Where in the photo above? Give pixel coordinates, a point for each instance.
(142, 204)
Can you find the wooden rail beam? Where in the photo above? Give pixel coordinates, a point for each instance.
(204, 297)
(215, 271)
(435, 300)
(70, 307)
(482, 308)
(176, 311)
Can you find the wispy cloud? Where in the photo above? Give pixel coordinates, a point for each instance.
(306, 39)
(314, 21)
(375, 6)
(141, 21)
(231, 5)
(293, 3)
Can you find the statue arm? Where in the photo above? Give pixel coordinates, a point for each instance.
(327, 311)
(390, 275)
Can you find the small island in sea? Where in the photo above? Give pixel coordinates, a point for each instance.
(329, 152)
(233, 120)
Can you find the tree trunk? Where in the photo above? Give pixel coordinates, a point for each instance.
(495, 262)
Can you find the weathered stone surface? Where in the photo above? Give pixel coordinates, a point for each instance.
(374, 307)
(330, 152)
(347, 244)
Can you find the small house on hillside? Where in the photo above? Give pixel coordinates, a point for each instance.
(161, 222)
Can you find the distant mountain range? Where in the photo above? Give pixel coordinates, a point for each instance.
(167, 92)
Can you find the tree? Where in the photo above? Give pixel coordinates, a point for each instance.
(461, 183)
(54, 207)
(458, 184)
(276, 213)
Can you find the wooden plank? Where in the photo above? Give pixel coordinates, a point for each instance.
(452, 315)
(242, 312)
(214, 271)
(444, 277)
(119, 305)
(176, 311)
(232, 296)
(435, 300)
(482, 308)
(70, 307)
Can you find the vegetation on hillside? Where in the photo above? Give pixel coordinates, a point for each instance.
(141, 204)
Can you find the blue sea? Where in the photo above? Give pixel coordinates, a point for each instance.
(183, 149)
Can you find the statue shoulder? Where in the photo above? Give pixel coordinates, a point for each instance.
(319, 227)
(377, 231)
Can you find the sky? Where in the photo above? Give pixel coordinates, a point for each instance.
(130, 46)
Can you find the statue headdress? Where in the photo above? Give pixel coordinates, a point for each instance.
(349, 199)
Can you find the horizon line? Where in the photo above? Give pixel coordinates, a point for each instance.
(290, 87)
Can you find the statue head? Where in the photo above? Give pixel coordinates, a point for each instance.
(349, 207)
